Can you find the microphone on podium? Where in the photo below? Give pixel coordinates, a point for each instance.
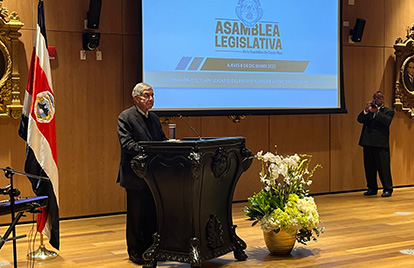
(181, 117)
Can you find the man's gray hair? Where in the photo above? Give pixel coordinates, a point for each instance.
(139, 88)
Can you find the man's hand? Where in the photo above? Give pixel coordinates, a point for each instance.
(367, 107)
(373, 109)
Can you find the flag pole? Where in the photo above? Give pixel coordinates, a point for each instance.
(42, 253)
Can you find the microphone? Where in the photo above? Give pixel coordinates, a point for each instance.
(181, 117)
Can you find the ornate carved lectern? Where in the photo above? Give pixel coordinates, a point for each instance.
(193, 182)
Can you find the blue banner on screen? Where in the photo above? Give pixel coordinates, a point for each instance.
(242, 56)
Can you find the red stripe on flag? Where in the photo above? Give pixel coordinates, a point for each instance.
(41, 220)
(41, 84)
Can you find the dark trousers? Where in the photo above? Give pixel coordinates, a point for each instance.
(377, 160)
(141, 221)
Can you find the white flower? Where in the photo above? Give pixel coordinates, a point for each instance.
(293, 161)
(307, 205)
(268, 157)
(283, 170)
(259, 155)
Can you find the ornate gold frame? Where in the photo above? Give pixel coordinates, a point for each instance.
(404, 92)
(10, 24)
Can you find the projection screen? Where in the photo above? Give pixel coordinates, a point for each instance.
(221, 57)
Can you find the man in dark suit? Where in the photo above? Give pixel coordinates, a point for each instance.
(137, 124)
(376, 120)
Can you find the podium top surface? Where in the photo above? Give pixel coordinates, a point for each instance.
(199, 142)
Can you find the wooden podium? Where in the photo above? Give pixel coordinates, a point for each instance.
(193, 182)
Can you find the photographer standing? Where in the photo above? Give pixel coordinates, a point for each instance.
(376, 120)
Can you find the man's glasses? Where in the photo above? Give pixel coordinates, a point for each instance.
(147, 95)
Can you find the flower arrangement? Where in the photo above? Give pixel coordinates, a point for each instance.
(284, 202)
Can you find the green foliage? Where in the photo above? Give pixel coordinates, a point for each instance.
(261, 204)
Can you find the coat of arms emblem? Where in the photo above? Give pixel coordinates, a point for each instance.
(249, 12)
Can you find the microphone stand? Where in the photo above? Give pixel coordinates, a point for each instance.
(188, 124)
(8, 170)
(9, 173)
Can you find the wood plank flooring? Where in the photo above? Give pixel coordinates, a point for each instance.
(360, 232)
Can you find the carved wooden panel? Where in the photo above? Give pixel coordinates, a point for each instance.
(10, 25)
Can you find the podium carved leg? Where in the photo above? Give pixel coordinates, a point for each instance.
(151, 253)
(240, 245)
(195, 260)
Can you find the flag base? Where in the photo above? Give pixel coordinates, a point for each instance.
(42, 254)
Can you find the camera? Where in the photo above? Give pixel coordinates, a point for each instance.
(373, 105)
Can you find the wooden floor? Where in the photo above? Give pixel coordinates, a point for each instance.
(360, 232)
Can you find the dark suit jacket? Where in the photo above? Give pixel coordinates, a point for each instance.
(376, 130)
(131, 130)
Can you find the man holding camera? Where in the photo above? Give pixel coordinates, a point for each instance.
(376, 120)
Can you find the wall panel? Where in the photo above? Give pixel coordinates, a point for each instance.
(131, 17)
(130, 67)
(373, 12)
(397, 20)
(26, 10)
(71, 15)
(87, 100)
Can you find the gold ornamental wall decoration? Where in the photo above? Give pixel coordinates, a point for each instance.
(10, 24)
(236, 118)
